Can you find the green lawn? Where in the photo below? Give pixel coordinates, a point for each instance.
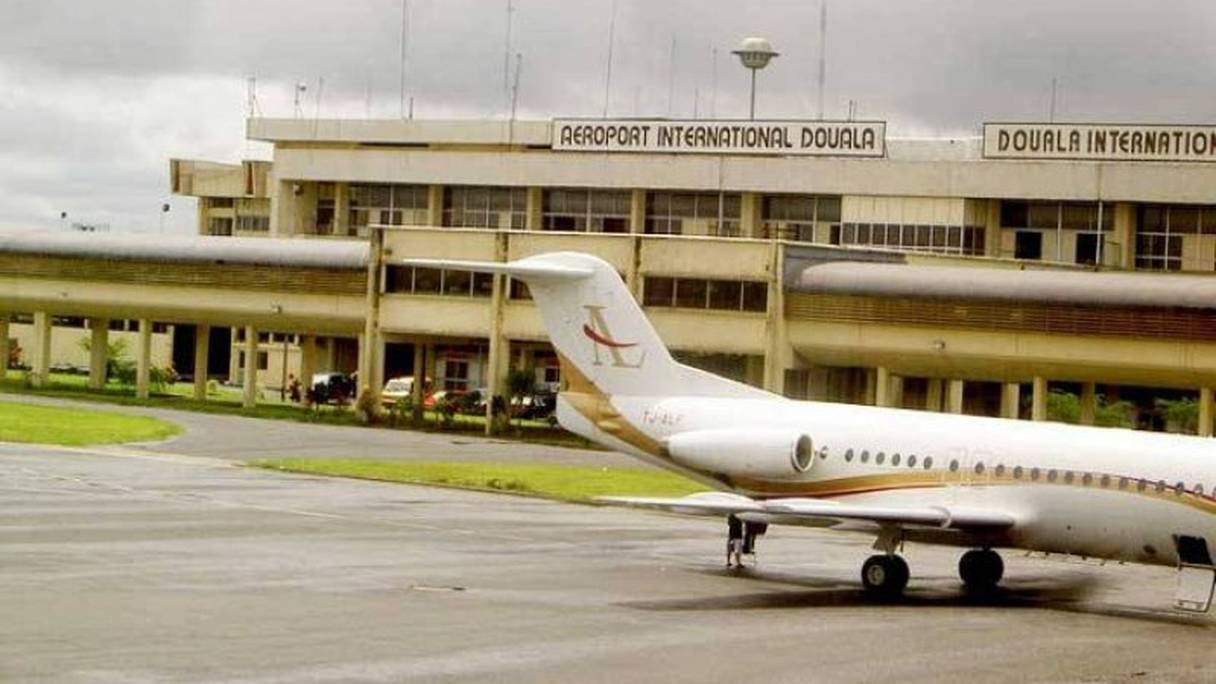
(567, 483)
(227, 400)
(77, 427)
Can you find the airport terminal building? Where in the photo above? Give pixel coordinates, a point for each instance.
(816, 259)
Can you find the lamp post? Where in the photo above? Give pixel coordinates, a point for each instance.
(755, 54)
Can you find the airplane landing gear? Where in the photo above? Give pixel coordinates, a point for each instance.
(885, 576)
(981, 569)
(741, 540)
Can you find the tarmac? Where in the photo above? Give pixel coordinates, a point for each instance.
(134, 564)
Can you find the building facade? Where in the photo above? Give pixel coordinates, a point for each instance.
(705, 232)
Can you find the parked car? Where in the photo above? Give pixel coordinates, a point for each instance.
(535, 406)
(332, 387)
(396, 389)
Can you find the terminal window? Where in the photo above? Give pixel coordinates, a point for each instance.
(805, 218)
(692, 213)
(700, 293)
(912, 238)
(485, 207)
(586, 211)
(435, 281)
(1160, 231)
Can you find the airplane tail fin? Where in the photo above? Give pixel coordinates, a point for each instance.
(598, 328)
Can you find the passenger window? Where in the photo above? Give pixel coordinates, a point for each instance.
(848, 455)
(1180, 488)
(1105, 481)
(880, 458)
(928, 462)
(1034, 474)
(1068, 477)
(1142, 485)
(954, 466)
(1052, 475)
(894, 459)
(865, 456)
(1087, 479)
(1000, 470)
(1199, 490)
(1017, 472)
(979, 468)
(1160, 486)
(823, 454)
(912, 461)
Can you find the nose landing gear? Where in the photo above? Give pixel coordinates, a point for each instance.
(885, 576)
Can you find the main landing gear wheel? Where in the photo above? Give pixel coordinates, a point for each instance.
(741, 540)
(981, 569)
(885, 576)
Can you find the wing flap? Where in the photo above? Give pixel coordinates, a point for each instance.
(721, 503)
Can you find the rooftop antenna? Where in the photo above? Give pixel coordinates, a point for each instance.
(696, 102)
(316, 112)
(405, 33)
(608, 68)
(823, 49)
(1051, 112)
(671, 77)
(251, 95)
(301, 88)
(367, 91)
(713, 97)
(852, 110)
(411, 107)
(506, 56)
(519, 64)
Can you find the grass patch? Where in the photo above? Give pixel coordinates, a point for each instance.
(227, 401)
(28, 424)
(567, 483)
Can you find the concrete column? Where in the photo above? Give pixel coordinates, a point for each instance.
(202, 356)
(897, 391)
(778, 353)
(1124, 234)
(954, 396)
(535, 209)
(1038, 409)
(143, 360)
(637, 212)
(40, 362)
(882, 386)
(934, 389)
(419, 380)
(249, 381)
(1089, 403)
(371, 361)
(434, 205)
(1205, 412)
(500, 352)
(992, 229)
(5, 349)
(341, 208)
(99, 341)
(871, 389)
(1011, 398)
(750, 224)
(308, 362)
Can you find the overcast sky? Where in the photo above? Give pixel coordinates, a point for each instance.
(95, 97)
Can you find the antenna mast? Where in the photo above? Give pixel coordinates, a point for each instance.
(608, 68)
(405, 31)
(823, 48)
(506, 56)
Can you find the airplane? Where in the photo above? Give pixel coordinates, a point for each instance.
(905, 476)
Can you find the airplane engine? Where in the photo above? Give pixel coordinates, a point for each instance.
(768, 454)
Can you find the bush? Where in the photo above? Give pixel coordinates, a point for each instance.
(1065, 407)
(367, 408)
(1181, 415)
(447, 408)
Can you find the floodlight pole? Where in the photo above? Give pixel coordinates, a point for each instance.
(752, 111)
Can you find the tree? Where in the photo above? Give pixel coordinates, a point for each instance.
(118, 366)
(520, 383)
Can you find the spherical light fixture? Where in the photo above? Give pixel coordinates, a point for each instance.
(755, 54)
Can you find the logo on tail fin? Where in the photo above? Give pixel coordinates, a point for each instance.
(596, 330)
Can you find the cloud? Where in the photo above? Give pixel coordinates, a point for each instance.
(96, 97)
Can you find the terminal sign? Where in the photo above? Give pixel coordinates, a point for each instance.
(812, 138)
(1100, 142)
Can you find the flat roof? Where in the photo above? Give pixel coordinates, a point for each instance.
(216, 250)
(1092, 288)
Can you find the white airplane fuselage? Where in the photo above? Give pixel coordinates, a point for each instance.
(1096, 492)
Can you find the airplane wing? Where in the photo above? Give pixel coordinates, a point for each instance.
(823, 511)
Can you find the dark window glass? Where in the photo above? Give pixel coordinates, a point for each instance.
(398, 278)
(1014, 214)
(519, 290)
(263, 360)
(725, 294)
(755, 296)
(483, 284)
(426, 280)
(658, 291)
(691, 293)
(457, 282)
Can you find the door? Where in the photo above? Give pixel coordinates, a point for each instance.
(1028, 244)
